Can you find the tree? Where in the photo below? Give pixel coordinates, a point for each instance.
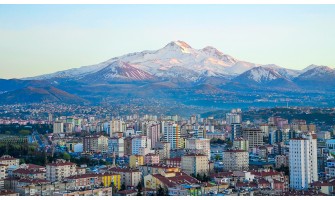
(205, 178)
(166, 191)
(114, 189)
(66, 156)
(217, 157)
(123, 187)
(139, 189)
(198, 177)
(160, 191)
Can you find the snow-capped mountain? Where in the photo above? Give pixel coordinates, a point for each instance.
(118, 71)
(263, 76)
(178, 62)
(316, 77)
(316, 72)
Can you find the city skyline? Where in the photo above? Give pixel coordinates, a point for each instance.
(40, 39)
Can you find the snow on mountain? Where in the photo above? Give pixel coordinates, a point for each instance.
(175, 60)
(259, 75)
(118, 70)
(239, 67)
(164, 62)
(287, 73)
(316, 72)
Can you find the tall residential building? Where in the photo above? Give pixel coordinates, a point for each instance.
(154, 132)
(171, 134)
(140, 142)
(235, 116)
(128, 145)
(199, 144)
(236, 131)
(116, 145)
(117, 125)
(58, 127)
(254, 136)
(235, 160)
(59, 170)
(97, 143)
(136, 160)
(163, 150)
(303, 161)
(195, 164)
(241, 144)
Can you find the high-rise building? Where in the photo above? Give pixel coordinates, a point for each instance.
(59, 170)
(254, 136)
(117, 125)
(96, 143)
(171, 134)
(241, 144)
(116, 146)
(195, 164)
(235, 160)
(154, 133)
(58, 127)
(235, 116)
(236, 131)
(303, 161)
(140, 142)
(163, 150)
(128, 145)
(199, 144)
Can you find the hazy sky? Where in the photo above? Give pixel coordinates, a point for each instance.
(39, 39)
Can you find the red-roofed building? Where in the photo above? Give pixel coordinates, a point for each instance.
(169, 180)
(32, 173)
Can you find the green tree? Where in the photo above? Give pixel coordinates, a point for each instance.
(139, 189)
(123, 187)
(66, 156)
(198, 177)
(160, 191)
(114, 189)
(24, 132)
(217, 157)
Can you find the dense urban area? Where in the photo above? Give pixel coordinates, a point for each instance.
(77, 150)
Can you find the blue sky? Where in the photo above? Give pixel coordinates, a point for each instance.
(39, 39)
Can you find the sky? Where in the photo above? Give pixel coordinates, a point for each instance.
(41, 39)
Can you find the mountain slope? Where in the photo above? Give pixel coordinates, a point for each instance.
(118, 71)
(39, 95)
(317, 77)
(14, 84)
(263, 76)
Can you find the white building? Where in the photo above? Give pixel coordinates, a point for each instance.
(235, 160)
(140, 142)
(303, 161)
(171, 134)
(199, 144)
(116, 145)
(234, 116)
(58, 127)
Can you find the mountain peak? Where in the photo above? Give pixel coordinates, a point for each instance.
(212, 50)
(313, 66)
(180, 44)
